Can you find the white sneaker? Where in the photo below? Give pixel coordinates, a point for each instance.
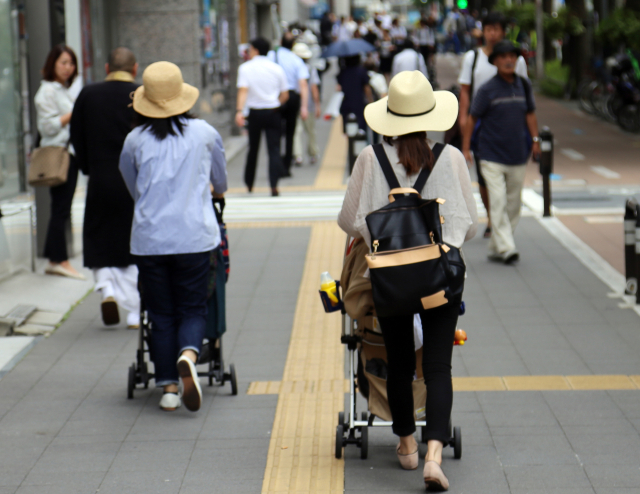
(191, 392)
(170, 402)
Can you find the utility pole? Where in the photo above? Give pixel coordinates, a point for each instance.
(540, 43)
(232, 19)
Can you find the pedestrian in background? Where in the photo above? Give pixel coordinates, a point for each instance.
(308, 126)
(297, 75)
(476, 70)
(506, 106)
(353, 81)
(168, 162)
(387, 51)
(404, 118)
(409, 59)
(54, 103)
(263, 89)
(102, 118)
(426, 40)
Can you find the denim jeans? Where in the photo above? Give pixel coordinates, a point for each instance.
(174, 291)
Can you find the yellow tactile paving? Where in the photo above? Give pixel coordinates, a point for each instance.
(331, 173)
(311, 393)
(601, 382)
(536, 383)
(488, 383)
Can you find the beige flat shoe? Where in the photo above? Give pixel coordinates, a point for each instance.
(434, 478)
(191, 392)
(58, 270)
(408, 462)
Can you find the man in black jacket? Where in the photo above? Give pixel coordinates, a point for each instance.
(102, 117)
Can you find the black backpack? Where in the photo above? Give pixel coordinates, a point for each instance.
(411, 268)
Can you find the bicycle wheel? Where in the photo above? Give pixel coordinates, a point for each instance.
(629, 118)
(585, 88)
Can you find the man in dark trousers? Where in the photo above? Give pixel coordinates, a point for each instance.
(102, 117)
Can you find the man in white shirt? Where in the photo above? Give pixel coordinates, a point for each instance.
(297, 75)
(398, 33)
(408, 59)
(262, 87)
(426, 40)
(476, 70)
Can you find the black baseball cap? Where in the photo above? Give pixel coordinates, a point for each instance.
(504, 46)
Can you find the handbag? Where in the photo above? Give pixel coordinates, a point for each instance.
(49, 166)
(411, 268)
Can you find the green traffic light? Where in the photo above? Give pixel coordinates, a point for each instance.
(463, 4)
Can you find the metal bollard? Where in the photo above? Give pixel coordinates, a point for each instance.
(546, 167)
(630, 219)
(352, 129)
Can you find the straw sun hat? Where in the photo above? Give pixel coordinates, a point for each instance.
(412, 106)
(164, 93)
(302, 50)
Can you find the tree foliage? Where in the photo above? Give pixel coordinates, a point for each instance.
(556, 25)
(622, 27)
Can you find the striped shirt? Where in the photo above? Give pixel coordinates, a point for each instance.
(503, 106)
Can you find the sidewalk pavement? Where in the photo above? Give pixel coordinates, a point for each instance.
(547, 387)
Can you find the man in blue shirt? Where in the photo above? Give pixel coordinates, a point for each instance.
(506, 106)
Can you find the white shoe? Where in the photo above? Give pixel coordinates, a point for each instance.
(59, 270)
(191, 392)
(170, 402)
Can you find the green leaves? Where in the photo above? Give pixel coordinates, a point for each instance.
(622, 27)
(555, 25)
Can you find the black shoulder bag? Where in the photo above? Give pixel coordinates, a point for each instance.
(411, 268)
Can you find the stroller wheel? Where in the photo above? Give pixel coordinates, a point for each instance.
(234, 381)
(457, 443)
(341, 418)
(131, 381)
(364, 443)
(339, 440)
(145, 375)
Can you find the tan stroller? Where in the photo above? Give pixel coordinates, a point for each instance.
(368, 363)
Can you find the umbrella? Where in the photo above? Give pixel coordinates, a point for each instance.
(348, 48)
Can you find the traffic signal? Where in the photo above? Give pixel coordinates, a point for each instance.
(462, 4)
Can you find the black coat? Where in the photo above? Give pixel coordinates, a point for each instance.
(100, 123)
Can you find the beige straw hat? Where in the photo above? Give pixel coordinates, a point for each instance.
(164, 93)
(302, 50)
(412, 106)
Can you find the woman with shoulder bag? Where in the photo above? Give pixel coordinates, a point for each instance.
(403, 118)
(168, 162)
(54, 104)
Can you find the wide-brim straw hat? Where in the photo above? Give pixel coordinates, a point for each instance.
(163, 92)
(412, 106)
(302, 50)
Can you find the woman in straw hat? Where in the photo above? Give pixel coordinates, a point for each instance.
(168, 162)
(403, 117)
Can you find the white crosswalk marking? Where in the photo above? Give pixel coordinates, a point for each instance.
(572, 154)
(603, 171)
(308, 206)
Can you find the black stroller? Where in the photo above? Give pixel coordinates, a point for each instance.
(211, 354)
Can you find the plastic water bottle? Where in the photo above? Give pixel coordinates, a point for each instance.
(328, 285)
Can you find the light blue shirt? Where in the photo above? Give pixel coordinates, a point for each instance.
(169, 183)
(293, 66)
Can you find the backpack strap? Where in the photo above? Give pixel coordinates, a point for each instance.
(527, 91)
(473, 69)
(424, 174)
(392, 180)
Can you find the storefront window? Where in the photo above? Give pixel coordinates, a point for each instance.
(9, 104)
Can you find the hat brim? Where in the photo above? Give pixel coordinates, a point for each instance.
(441, 118)
(176, 106)
(515, 50)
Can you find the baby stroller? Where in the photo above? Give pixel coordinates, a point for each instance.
(367, 371)
(211, 353)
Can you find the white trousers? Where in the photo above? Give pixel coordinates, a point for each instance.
(122, 285)
(504, 183)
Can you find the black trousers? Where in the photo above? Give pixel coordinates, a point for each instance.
(438, 326)
(55, 246)
(271, 122)
(290, 111)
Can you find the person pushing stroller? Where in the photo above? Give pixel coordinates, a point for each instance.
(403, 117)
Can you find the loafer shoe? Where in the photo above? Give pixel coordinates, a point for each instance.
(511, 256)
(59, 270)
(170, 402)
(408, 462)
(434, 478)
(109, 310)
(191, 391)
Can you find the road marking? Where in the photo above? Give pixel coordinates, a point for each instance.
(597, 220)
(301, 450)
(572, 154)
(485, 383)
(603, 171)
(310, 206)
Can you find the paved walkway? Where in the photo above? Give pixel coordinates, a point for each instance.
(547, 387)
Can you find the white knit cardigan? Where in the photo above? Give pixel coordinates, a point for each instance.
(368, 191)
